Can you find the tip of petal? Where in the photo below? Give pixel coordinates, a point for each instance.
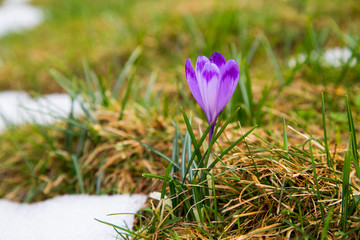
(218, 59)
(188, 62)
(232, 61)
(189, 70)
(217, 55)
(200, 63)
(231, 72)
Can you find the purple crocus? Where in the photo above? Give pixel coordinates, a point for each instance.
(212, 84)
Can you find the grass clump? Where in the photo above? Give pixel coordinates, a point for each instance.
(95, 158)
(261, 189)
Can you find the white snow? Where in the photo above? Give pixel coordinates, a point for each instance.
(6, 2)
(17, 107)
(338, 56)
(18, 15)
(331, 57)
(68, 217)
(298, 60)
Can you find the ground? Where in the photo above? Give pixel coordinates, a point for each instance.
(141, 47)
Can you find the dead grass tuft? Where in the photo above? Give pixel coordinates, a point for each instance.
(262, 194)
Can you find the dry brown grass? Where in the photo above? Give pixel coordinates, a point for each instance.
(259, 189)
(120, 159)
(261, 193)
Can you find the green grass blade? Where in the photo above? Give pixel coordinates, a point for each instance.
(246, 91)
(151, 175)
(192, 165)
(69, 136)
(328, 156)
(316, 180)
(353, 141)
(229, 120)
(183, 156)
(192, 136)
(64, 82)
(285, 139)
(202, 139)
(324, 232)
(175, 150)
(236, 143)
(88, 78)
(99, 177)
(126, 97)
(272, 58)
(79, 176)
(19, 147)
(167, 174)
(346, 189)
(150, 86)
(156, 152)
(253, 48)
(195, 31)
(126, 70)
(128, 232)
(265, 95)
(81, 143)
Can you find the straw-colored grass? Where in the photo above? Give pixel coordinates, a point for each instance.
(264, 192)
(110, 156)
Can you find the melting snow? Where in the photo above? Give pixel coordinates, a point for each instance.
(18, 15)
(338, 56)
(332, 57)
(18, 107)
(68, 217)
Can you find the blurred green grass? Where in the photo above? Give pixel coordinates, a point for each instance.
(104, 33)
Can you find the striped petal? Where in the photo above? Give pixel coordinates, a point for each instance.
(209, 88)
(200, 63)
(228, 83)
(193, 83)
(218, 59)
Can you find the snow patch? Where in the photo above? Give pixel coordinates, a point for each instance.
(68, 217)
(17, 107)
(337, 57)
(332, 57)
(7, 2)
(17, 16)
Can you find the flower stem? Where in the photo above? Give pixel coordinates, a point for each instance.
(211, 132)
(209, 181)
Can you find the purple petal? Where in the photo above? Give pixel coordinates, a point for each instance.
(200, 63)
(193, 83)
(228, 83)
(209, 88)
(218, 59)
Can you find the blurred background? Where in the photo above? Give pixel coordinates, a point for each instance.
(104, 34)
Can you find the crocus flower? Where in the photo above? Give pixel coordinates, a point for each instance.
(212, 84)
